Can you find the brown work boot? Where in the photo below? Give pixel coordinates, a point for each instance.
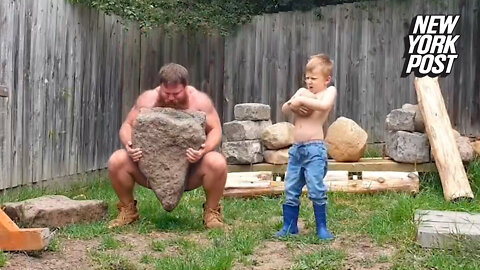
(212, 218)
(128, 213)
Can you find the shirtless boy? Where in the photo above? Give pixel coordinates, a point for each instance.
(307, 162)
(208, 168)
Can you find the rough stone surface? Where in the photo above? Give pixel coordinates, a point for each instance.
(243, 152)
(164, 135)
(276, 156)
(465, 148)
(418, 119)
(251, 111)
(400, 119)
(346, 140)
(244, 130)
(55, 211)
(278, 136)
(476, 147)
(408, 147)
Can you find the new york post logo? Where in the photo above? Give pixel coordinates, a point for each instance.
(430, 46)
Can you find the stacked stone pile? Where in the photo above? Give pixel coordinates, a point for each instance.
(242, 137)
(407, 142)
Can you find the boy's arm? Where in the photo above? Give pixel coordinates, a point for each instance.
(288, 109)
(323, 104)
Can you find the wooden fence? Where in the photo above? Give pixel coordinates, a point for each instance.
(70, 74)
(264, 60)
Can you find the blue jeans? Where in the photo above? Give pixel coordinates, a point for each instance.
(307, 164)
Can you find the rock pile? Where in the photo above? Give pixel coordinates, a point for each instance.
(242, 137)
(407, 142)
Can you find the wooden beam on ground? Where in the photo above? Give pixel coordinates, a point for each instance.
(365, 164)
(373, 182)
(445, 229)
(248, 179)
(13, 238)
(439, 130)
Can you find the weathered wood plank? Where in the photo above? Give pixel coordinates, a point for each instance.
(61, 93)
(5, 132)
(131, 68)
(38, 90)
(18, 97)
(68, 152)
(365, 164)
(365, 186)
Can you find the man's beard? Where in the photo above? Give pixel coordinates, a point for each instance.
(181, 105)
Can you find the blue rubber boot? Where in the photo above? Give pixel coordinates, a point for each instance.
(290, 218)
(321, 220)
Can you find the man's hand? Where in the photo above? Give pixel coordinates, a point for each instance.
(194, 156)
(134, 153)
(297, 107)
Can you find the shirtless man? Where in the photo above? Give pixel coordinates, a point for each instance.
(208, 168)
(307, 162)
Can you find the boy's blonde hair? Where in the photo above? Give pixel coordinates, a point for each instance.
(321, 61)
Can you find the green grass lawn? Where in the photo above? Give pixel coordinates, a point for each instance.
(177, 240)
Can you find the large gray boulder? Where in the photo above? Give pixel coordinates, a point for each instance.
(278, 136)
(408, 147)
(55, 211)
(243, 152)
(164, 135)
(252, 111)
(244, 130)
(400, 119)
(418, 118)
(346, 140)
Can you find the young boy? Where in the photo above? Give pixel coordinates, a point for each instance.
(307, 162)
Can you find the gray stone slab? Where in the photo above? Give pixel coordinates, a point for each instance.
(252, 111)
(408, 147)
(244, 130)
(445, 229)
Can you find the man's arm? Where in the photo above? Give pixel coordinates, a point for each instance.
(145, 100)
(126, 128)
(213, 129)
(125, 133)
(213, 126)
(323, 104)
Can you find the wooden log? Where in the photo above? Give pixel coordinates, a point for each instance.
(338, 182)
(439, 130)
(365, 164)
(249, 179)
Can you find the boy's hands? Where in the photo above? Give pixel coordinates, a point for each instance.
(296, 106)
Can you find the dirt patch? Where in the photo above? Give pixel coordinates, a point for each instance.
(73, 255)
(270, 255)
(363, 253)
(76, 254)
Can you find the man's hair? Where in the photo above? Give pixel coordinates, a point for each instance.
(173, 74)
(321, 61)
